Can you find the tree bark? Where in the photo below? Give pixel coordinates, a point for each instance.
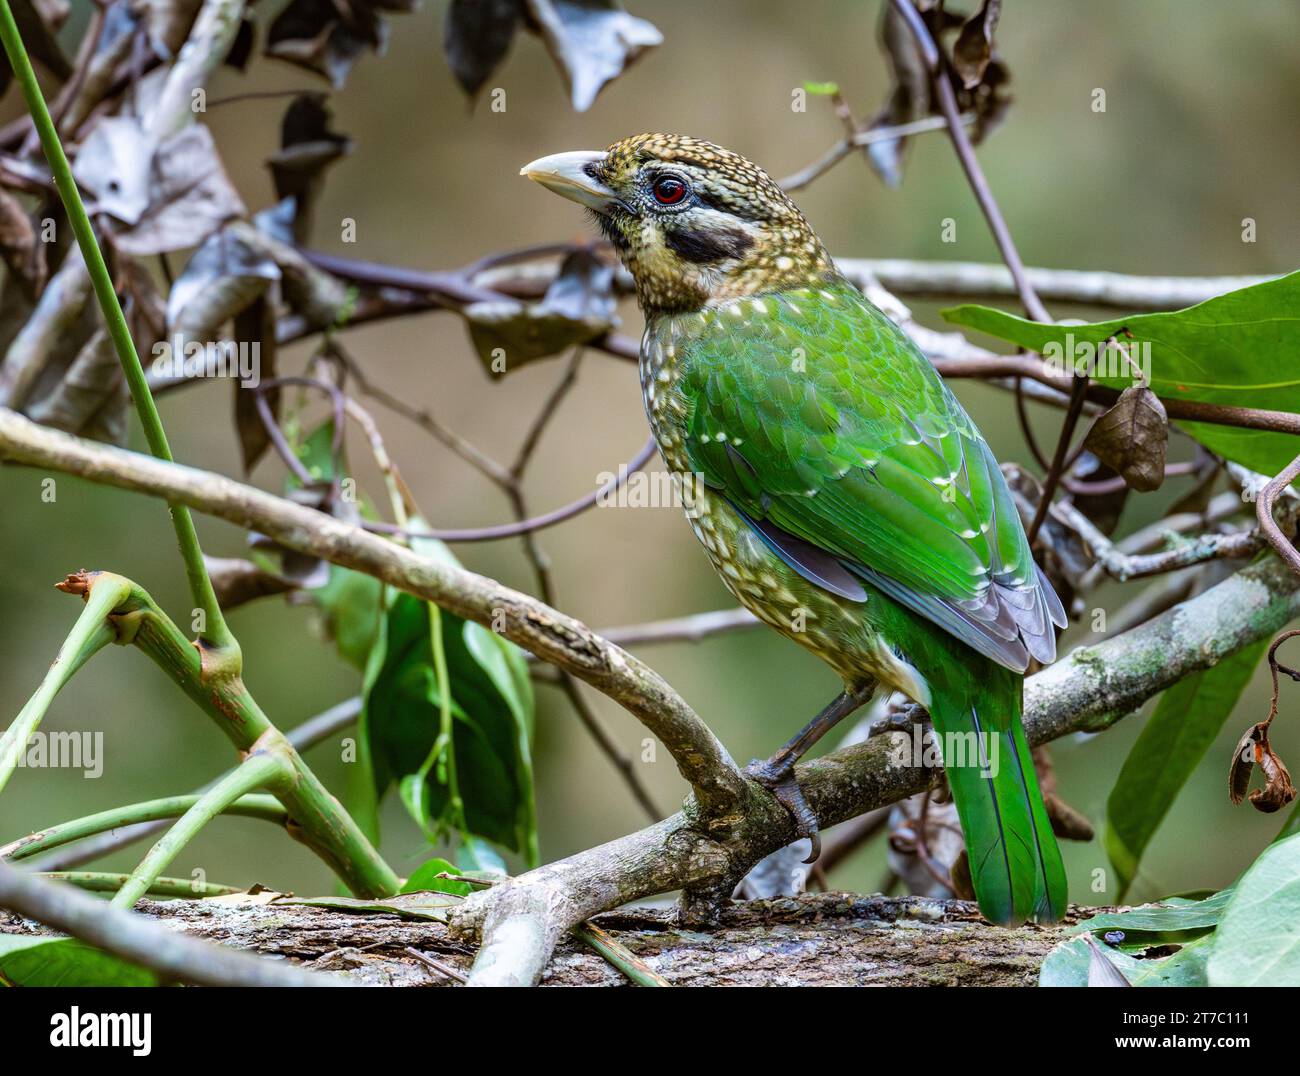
(824, 939)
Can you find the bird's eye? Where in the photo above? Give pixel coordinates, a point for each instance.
(669, 190)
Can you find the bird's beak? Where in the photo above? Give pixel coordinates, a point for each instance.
(571, 175)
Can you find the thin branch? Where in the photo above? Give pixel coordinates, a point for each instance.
(251, 806)
(690, 629)
(536, 523)
(1078, 393)
(1188, 551)
(846, 145)
(969, 163)
(1088, 287)
(551, 635)
(1268, 527)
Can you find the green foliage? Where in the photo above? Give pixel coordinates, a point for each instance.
(1162, 921)
(1068, 964)
(1246, 935)
(478, 779)
(1258, 941)
(37, 961)
(468, 774)
(1241, 349)
(1185, 723)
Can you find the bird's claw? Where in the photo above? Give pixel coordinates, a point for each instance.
(780, 781)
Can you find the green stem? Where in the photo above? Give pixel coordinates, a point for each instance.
(101, 882)
(316, 817)
(261, 770)
(266, 807)
(620, 957)
(205, 598)
(90, 634)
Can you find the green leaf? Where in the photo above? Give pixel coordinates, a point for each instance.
(41, 961)
(492, 711)
(1258, 942)
(1241, 349)
(1171, 916)
(425, 879)
(1067, 965)
(1185, 723)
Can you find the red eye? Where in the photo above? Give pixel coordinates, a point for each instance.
(669, 190)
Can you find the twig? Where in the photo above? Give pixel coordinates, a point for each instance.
(1087, 287)
(107, 882)
(1125, 566)
(1274, 667)
(846, 145)
(969, 163)
(690, 629)
(536, 523)
(1268, 527)
(252, 806)
(1078, 393)
(445, 970)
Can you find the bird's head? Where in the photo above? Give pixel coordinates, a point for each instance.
(694, 223)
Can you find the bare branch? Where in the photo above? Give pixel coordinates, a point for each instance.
(548, 633)
(1125, 566)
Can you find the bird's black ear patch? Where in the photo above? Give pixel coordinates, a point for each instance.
(708, 247)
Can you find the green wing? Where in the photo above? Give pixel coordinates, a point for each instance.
(818, 417)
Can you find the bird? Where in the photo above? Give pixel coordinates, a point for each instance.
(837, 485)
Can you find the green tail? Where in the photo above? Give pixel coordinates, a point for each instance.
(1015, 863)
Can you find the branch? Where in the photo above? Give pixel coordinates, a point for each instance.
(135, 938)
(939, 279)
(1123, 566)
(1083, 286)
(551, 635)
(1092, 688)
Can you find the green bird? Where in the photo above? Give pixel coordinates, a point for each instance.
(841, 491)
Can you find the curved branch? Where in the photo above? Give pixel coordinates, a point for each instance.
(1268, 527)
(548, 633)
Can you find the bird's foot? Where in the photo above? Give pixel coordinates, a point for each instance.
(780, 781)
(900, 719)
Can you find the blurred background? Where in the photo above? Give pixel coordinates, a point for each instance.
(1199, 132)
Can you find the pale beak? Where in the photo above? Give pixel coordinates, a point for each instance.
(571, 175)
